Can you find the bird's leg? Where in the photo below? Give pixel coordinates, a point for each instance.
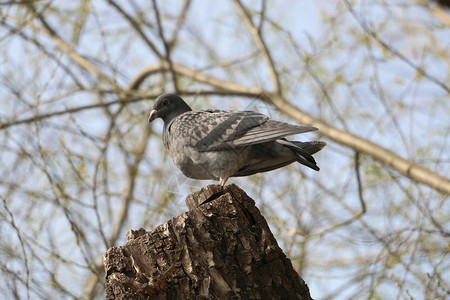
(222, 181)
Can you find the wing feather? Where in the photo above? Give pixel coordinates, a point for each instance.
(230, 125)
(212, 130)
(270, 131)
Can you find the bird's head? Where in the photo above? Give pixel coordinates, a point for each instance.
(168, 107)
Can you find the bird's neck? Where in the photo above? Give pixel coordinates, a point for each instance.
(169, 118)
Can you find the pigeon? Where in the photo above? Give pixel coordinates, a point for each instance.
(219, 144)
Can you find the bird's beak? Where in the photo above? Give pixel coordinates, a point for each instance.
(153, 115)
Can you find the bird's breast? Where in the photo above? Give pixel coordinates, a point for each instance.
(208, 164)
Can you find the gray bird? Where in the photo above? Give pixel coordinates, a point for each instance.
(219, 144)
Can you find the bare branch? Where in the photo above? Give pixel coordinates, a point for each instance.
(257, 36)
(46, 52)
(10, 216)
(136, 27)
(383, 155)
(180, 20)
(263, 16)
(167, 47)
(67, 111)
(394, 51)
(441, 14)
(66, 48)
(221, 85)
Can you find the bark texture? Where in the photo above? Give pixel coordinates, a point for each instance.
(222, 248)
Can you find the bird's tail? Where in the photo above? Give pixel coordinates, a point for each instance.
(304, 150)
(310, 147)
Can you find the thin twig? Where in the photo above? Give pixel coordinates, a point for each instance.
(136, 27)
(180, 21)
(258, 38)
(46, 52)
(360, 186)
(316, 78)
(394, 51)
(67, 111)
(355, 216)
(262, 16)
(66, 48)
(167, 47)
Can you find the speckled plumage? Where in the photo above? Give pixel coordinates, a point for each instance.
(218, 144)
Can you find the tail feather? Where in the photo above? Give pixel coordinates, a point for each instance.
(310, 147)
(303, 151)
(273, 155)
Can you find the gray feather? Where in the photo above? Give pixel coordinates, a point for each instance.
(218, 144)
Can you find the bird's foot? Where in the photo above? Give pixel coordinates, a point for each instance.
(222, 181)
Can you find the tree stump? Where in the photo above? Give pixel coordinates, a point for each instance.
(222, 248)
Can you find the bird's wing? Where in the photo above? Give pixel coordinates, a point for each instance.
(211, 130)
(215, 129)
(207, 130)
(269, 131)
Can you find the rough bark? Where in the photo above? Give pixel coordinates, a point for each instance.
(222, 248)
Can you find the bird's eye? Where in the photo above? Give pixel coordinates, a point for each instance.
(165, 102)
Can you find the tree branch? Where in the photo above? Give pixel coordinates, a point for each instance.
(167, 47)
(394, 51)
(257, 36)
(136, 27)
(180, 21)
(68, 111)
(63, 46)
(441, 14)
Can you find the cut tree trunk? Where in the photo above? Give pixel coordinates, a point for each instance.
(222, 248)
